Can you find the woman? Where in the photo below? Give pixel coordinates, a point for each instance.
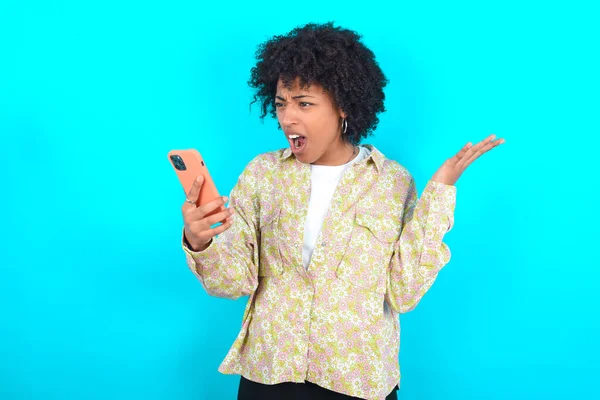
(326, 236)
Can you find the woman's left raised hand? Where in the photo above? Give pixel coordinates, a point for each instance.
(453, 167)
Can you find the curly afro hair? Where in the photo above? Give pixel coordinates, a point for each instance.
(332, 57)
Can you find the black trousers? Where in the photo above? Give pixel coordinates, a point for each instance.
(249, 390)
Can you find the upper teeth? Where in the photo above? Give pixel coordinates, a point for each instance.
(294, 136)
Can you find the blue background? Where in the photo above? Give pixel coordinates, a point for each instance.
(96, 300)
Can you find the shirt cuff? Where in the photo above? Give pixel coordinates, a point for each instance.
(441, 199)
(188, 248)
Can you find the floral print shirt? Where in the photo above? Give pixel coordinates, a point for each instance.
(335, 324)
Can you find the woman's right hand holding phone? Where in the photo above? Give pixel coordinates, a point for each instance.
(198, 231)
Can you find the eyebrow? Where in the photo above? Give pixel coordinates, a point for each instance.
(295, 97)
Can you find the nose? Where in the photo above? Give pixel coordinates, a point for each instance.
(288, 117)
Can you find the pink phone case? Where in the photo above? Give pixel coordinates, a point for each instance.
(188, 164)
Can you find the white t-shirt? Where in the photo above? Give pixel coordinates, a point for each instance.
(323, 181)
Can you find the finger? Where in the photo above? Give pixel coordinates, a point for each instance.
(222, 228)
(194, 192)
(218, 217)
(490, 145)
(463, 151)
(482, 151)
(209, 233)
(474, 151)
(200, 212)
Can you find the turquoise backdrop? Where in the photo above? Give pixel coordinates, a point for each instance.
(96, 301)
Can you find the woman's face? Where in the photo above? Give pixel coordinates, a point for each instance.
(312, 124)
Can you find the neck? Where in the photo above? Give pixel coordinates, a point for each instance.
(339, 155)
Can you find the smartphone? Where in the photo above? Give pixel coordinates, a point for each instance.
(188, 165)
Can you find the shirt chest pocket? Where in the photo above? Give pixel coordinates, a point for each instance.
(369, 251)
(270, 261)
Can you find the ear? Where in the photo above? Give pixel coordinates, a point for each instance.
(342, 113)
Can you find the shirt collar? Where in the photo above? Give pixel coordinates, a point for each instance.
(377, 157)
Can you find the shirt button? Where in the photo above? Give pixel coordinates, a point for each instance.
(324, 244)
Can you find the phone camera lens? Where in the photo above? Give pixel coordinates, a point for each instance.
(178, 162)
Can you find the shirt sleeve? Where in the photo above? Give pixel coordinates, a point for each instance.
(228, 267)
(420, 253)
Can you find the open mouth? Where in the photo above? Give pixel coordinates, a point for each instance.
(297, 142)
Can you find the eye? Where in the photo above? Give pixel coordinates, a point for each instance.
(305, 104)
(278, 105)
